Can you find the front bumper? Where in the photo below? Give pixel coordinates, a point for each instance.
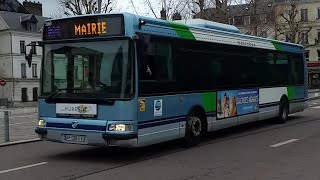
(41, 131)
(92, 138)
(119, 136)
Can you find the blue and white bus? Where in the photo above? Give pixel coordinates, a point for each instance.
(131, 81)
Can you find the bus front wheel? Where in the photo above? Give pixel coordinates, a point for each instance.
(193, 131)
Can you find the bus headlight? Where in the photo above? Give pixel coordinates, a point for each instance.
(41, 123)
(120, 127)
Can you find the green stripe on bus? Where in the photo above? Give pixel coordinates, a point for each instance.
(291, 92)
(209, 101)
(277, 45)
(182, 30)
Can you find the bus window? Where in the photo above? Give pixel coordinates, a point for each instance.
(156, 63)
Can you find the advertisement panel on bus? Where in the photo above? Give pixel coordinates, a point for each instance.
(237, 102)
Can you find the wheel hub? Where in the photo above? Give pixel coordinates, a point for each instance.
(196, 126)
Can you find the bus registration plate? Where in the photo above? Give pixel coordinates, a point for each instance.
(75, 138)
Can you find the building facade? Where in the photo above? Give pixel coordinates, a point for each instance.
(305, 16)
(16, 31)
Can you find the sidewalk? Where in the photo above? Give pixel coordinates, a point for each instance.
(21, 128)
(17, 111)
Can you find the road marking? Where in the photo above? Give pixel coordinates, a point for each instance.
(23, 167)
(316, 107)
(283, 143)
(13, 124)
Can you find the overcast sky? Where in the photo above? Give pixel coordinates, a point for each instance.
(50, 6)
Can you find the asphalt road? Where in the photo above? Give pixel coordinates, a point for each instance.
(261, 150)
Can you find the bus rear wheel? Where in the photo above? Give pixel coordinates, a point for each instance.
(193, 131)
(283, 111)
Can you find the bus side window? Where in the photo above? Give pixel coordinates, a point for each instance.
(156, 62)
(146, 70)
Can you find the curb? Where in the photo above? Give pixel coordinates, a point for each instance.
(19, 142)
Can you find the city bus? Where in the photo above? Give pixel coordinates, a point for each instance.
(131, 81)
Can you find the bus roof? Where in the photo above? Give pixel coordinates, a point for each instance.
(199, 30)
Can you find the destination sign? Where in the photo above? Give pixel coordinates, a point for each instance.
(84, 27)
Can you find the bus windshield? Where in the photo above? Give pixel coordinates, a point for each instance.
(88, 70)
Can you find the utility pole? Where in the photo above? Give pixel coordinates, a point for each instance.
(165, 9)
(99, 6)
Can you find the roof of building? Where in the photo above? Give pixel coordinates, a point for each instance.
(12, 6)
(15, 21)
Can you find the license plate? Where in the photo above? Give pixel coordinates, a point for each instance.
(75, 138)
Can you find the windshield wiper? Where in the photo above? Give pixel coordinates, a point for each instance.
(96, 99)
(100, 98)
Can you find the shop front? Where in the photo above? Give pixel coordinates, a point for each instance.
(314, 74)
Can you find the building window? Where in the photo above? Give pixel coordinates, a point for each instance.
(307, 52)
(23, 70)
(32, 26)
(318, 55)
(246, 20)
(287, 14)
(34, 70)
(318, 13)
(238, 20)
(34, 48)
(22, 47)
(304, 14)
(35, 94)
(24, 94)
(304, 38)
(263, 18)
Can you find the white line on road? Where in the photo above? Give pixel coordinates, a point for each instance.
(283, 143)
(316, 107)
(23, 167)
(13, 124)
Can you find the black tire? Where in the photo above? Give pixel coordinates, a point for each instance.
(283, 111)
(194, 131)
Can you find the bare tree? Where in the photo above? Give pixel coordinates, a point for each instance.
(252, 17)
(151, 7)
(291, 26)
(80, 7)
(168, 8)
(255, 17)
(214, 10)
